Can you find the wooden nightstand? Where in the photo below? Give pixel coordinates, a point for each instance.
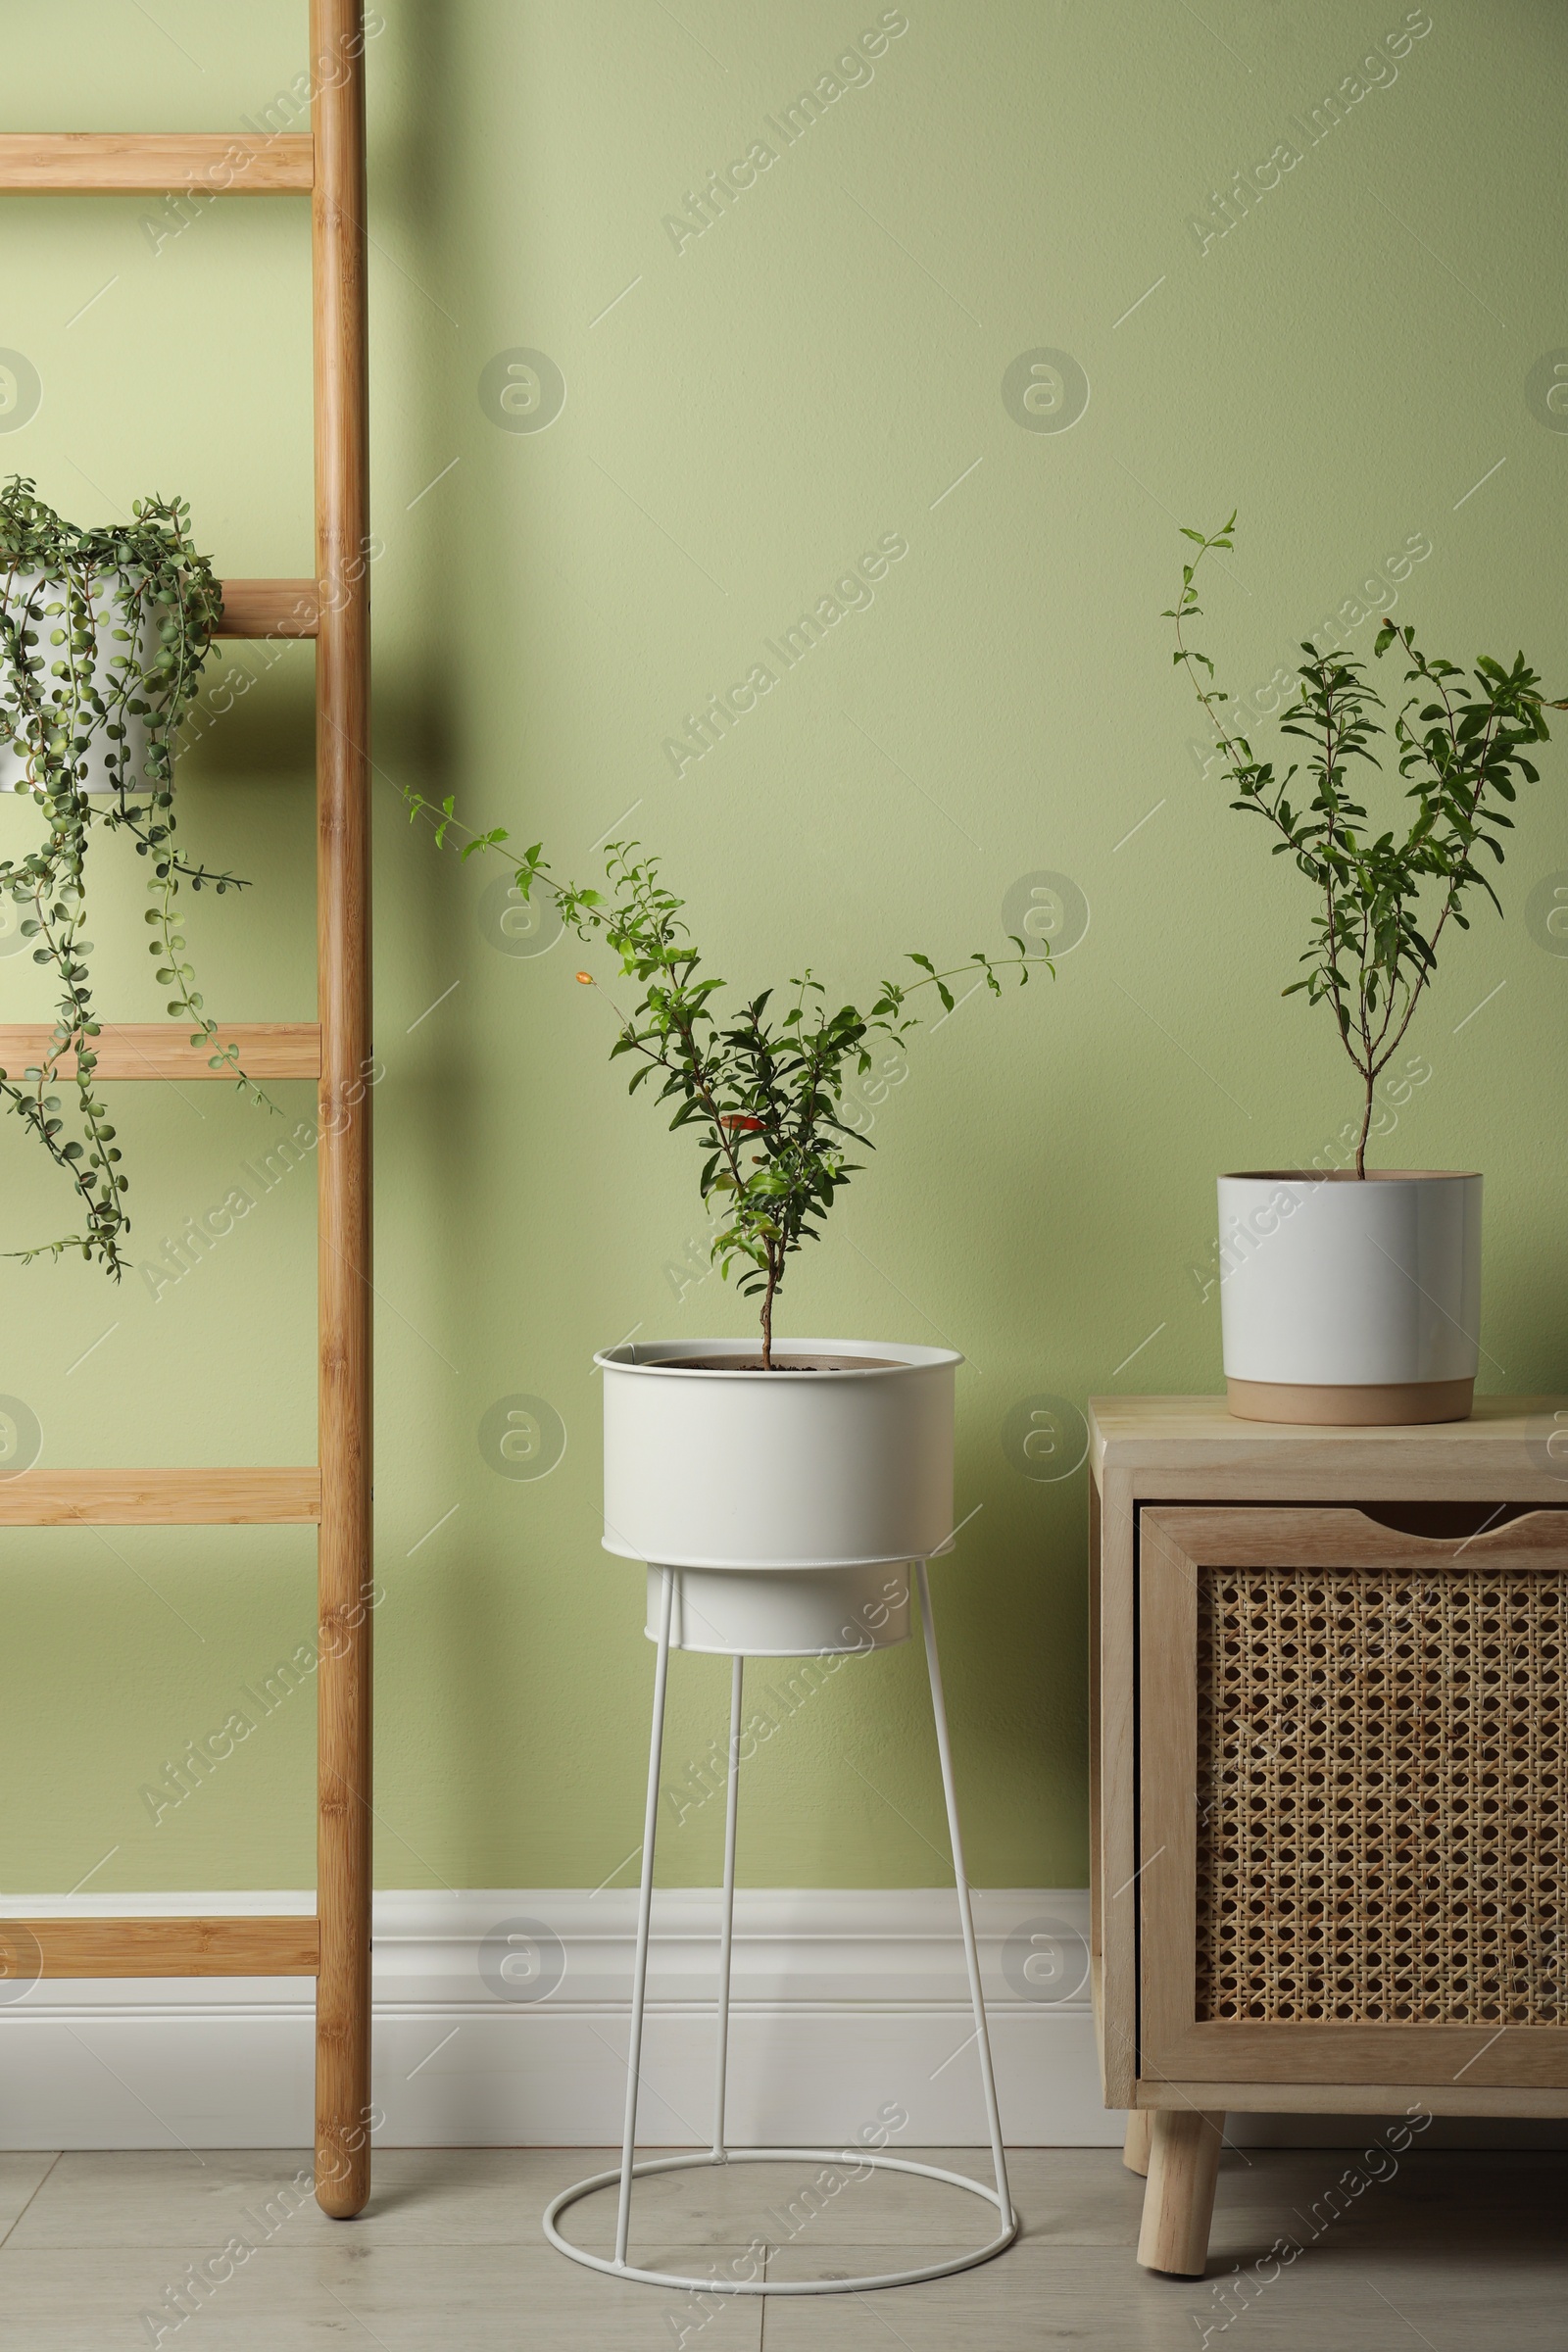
(1327, 1776)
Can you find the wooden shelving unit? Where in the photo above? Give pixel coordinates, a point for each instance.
(334, 1494)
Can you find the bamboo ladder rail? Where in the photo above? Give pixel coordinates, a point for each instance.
(333, 607)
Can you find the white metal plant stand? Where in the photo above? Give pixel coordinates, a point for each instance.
(721, 2153)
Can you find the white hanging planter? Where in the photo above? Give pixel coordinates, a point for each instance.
(37, 591)
(790, 1502)
(1350, 1300)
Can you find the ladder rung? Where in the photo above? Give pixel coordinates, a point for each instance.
(163, 1050)
(129, 163)
(269, 608)
(161, 1499)
(160, 1947)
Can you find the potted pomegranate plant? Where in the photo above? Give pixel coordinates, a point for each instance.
(1353, 1295)
(782, 1479)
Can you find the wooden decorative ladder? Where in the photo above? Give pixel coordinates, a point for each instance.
(333, 607)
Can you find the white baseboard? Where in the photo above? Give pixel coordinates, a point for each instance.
(845, 2002)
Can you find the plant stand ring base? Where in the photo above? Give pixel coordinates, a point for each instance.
(1370, 1404)
(720, 2153)
(781, 2287)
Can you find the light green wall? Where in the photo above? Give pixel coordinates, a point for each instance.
(811, 372)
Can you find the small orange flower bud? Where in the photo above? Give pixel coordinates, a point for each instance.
(586, 978)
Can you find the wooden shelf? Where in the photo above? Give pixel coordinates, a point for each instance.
(1194, 1448)
(159, 1947)
(163, 1050)
(117, 163)
(269, 608)
(161, 1499)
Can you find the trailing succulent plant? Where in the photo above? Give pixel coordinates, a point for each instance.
(1384, 901)
(760, 1085)
(103, 634)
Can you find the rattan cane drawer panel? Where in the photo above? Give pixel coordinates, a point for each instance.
(1381, 1796)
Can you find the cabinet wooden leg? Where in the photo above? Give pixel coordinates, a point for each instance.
(1135, 2151)
(1179, 2201)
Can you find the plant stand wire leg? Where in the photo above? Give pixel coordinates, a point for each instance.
(972, 1954)
(726, 1933)
(645, 1908)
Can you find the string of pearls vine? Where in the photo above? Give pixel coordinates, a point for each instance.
(103, 634)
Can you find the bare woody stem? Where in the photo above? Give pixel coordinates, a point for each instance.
(1366, 1129)
(767, 1310)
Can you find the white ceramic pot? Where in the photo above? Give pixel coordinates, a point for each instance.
(1347, 1299)
(20, 590)
(789, 1502)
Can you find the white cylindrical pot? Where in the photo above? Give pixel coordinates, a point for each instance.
(811, 1481)
(33, 590)
(784, 1612)
(1351, 1300)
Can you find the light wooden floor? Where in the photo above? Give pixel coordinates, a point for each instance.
(1458, 2250)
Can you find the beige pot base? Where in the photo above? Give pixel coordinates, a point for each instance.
(1392, 1404)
